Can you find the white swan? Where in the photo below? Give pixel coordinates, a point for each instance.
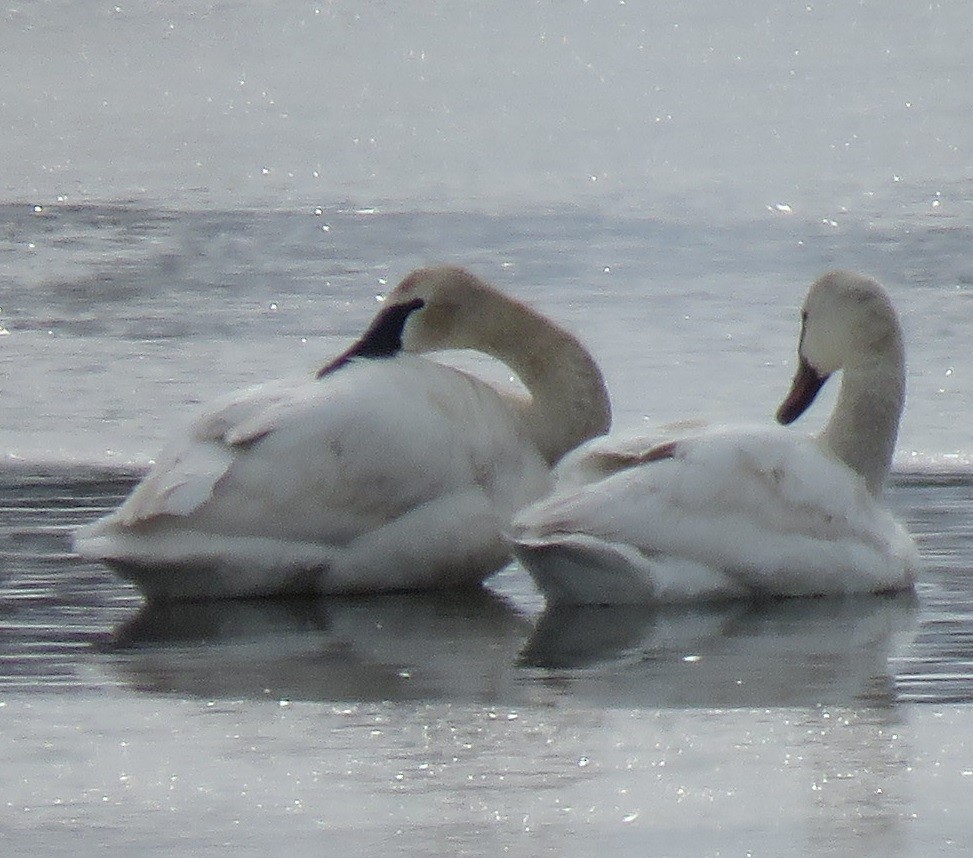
(387, 471)
(728, 513)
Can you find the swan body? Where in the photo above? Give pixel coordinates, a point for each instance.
(743, 512)
(388, 471)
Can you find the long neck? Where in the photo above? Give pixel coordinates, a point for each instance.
(568, 399)
(864, 425)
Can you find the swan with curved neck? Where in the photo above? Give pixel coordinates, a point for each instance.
(746, 512)
(385, 471)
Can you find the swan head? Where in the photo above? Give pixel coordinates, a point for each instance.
(445, 296)
(453, 312)
(847, 319)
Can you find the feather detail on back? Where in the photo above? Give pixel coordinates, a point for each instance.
(767, 515)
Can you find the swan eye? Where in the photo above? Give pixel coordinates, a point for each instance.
(800, 339)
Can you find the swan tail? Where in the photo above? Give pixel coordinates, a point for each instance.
(170, 565)
(579, 569)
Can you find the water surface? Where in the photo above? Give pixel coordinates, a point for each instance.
(197, 197)
(476, 721)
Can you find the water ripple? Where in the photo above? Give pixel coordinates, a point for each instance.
(68, 624)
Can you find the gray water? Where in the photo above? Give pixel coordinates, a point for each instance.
(196, 197)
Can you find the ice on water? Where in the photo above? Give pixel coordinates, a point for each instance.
(197, 197)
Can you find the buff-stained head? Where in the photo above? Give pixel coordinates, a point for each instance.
(847, 319)
(451, 316)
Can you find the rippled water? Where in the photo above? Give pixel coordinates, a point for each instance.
(476, 722)
(68, 624)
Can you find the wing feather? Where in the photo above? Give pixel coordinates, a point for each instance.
(328, 459)
(760, 505)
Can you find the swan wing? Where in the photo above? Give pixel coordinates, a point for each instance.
(768, 509)
(608, 454)
(184, 474)
(330, 458)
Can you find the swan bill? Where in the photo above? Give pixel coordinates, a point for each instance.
(383, 338)
(805, 386)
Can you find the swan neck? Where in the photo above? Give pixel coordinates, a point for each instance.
(864, 425)
(568, 398)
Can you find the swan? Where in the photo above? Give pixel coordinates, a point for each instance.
(385, 471)
(747, 512)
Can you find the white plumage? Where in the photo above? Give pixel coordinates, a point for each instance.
(743, 512)
(385, 473)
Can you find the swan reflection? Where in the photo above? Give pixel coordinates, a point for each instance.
(430, 646)
(476, 647)
(794, 652)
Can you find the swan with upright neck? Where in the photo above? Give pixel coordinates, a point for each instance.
(386, 471)
(744, 512)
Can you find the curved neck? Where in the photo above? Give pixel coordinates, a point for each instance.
(568, 399)
(864, 425)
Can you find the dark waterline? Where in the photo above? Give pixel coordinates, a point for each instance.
(70, 625)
